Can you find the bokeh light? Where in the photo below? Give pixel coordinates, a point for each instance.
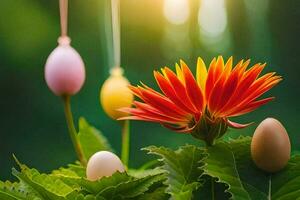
(212, 17)
(176, 11)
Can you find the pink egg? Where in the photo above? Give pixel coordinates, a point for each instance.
(64, 70)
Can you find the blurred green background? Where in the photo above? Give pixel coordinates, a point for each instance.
(154, 33)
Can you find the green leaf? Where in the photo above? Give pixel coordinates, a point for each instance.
(91, 139)
(158, 194)
(131, 189)
(255, 181)
(285, 185)
(211, 190)
(87, 197)
(148, 172)
(117, 186)
(17, 191)
(73, 170)
(183, 168)
(157, 190)
(232, 164)
(46, 186)
(68, 184)
(220, 164)
(94, 187)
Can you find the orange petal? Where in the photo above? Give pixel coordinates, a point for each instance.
(237, 125)
(228, 91)
(138, 114)
(161, 103)
(256, 90)
(250, 107)
(219, 67)
(180, 89)
(149, 109)
(241, 90)
(192, 88)
(215, 95)
(135, 90)
(210, 79)
(218, 89)
(169, 91)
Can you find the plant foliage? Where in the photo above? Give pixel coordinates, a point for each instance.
(231, 163)
(91, 139)
(223, 171)
(183, 168)
(66, 183)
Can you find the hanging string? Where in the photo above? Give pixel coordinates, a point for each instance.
(115, 15)
(118, 71)
(63, 7)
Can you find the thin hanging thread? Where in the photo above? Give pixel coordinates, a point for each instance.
(115, 15)
(63, 7)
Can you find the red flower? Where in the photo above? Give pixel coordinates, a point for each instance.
(203, 105)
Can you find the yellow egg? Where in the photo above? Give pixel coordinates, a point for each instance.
(103, 163)
(115, 94)
(270, 146)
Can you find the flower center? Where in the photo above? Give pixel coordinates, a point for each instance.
(208, 129)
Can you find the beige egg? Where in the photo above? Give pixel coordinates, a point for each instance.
(270, 146)
(103, 163)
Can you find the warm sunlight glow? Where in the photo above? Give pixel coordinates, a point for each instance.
(212, 17)
(176, 11)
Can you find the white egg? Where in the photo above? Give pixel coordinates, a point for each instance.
(103, 163)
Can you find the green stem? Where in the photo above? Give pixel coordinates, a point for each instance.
(211, 178)
(72, 130)
(212, 188)
(270, 188)
(125, 142)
